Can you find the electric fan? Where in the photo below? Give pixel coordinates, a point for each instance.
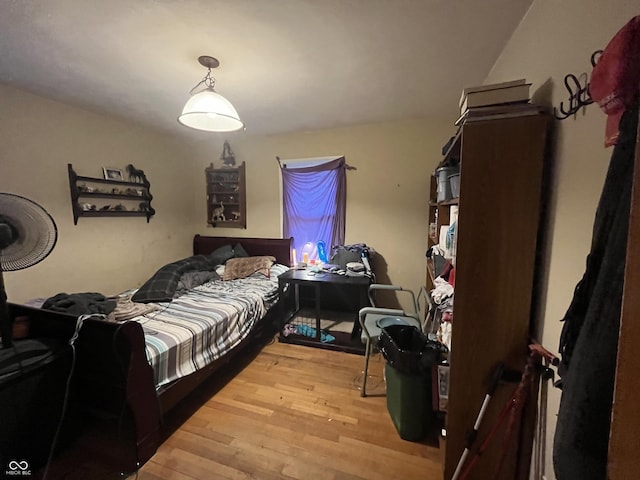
(27, 236)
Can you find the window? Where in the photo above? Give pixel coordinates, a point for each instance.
(314, 204)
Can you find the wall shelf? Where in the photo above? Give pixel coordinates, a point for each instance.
(226, 196)
(130, 199)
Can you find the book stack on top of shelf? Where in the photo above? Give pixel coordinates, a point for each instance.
(498, 100)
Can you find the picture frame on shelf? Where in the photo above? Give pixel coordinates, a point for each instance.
(115, 174)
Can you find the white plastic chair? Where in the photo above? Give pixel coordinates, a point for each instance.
(370, 316)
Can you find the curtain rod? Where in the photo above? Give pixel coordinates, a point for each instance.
(346, 165)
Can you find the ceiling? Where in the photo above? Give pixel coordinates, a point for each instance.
(286, 65)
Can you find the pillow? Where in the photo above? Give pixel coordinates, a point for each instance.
(243, 267)
(189, 280)
(277, 269)
(220, 255)
(239, 251)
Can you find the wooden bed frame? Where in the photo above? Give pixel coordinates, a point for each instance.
(112, 377)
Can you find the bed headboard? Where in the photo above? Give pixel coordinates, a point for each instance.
(277, 247)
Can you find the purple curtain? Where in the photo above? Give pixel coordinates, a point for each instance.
(314, 204)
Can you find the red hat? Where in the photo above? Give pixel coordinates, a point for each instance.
(615, 80)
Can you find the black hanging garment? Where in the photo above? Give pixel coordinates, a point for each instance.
(589, 339)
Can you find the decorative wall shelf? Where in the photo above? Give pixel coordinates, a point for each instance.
(226, 196)
(90, 197)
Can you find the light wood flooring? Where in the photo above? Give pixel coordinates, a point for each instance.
(290, 412)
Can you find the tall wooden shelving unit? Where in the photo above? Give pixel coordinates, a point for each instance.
(440, 211)
(501, 166)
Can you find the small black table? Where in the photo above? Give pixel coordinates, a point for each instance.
(330, 291)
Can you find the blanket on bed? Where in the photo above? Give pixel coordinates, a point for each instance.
(161, 287)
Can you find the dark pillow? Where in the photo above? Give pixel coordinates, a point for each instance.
(220, 255)
(239, 251)
(190, 280)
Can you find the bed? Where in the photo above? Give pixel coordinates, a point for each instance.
(203, 330)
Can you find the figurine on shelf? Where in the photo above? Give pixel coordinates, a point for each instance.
(236, 216)
(218, 214)
(228, 160)
(135, 175)
(145, 207)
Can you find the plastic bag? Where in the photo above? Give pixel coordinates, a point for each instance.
(408, 349)
(343, 254)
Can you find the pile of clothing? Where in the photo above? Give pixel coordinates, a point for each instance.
(440, 315)
(118, 309)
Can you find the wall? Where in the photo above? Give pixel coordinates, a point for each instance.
(38, 137)
(387, 195)
(556, 38)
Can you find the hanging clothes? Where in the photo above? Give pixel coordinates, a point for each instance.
(589, 338)
(614, 81)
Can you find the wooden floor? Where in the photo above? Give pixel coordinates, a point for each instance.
(288, 412)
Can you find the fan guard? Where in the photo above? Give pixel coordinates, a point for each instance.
(34, 232)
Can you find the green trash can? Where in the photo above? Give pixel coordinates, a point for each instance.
(410, 357)
(409, 402)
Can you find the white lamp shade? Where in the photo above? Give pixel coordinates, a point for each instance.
(211, 112)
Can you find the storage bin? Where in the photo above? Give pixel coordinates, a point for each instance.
(454, 185)
(442, 180)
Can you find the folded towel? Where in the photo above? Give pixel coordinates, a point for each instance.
(126, 309)
(308, 331)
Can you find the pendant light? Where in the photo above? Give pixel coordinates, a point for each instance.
(207, 110)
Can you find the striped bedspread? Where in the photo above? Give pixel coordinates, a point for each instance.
(199, 327)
